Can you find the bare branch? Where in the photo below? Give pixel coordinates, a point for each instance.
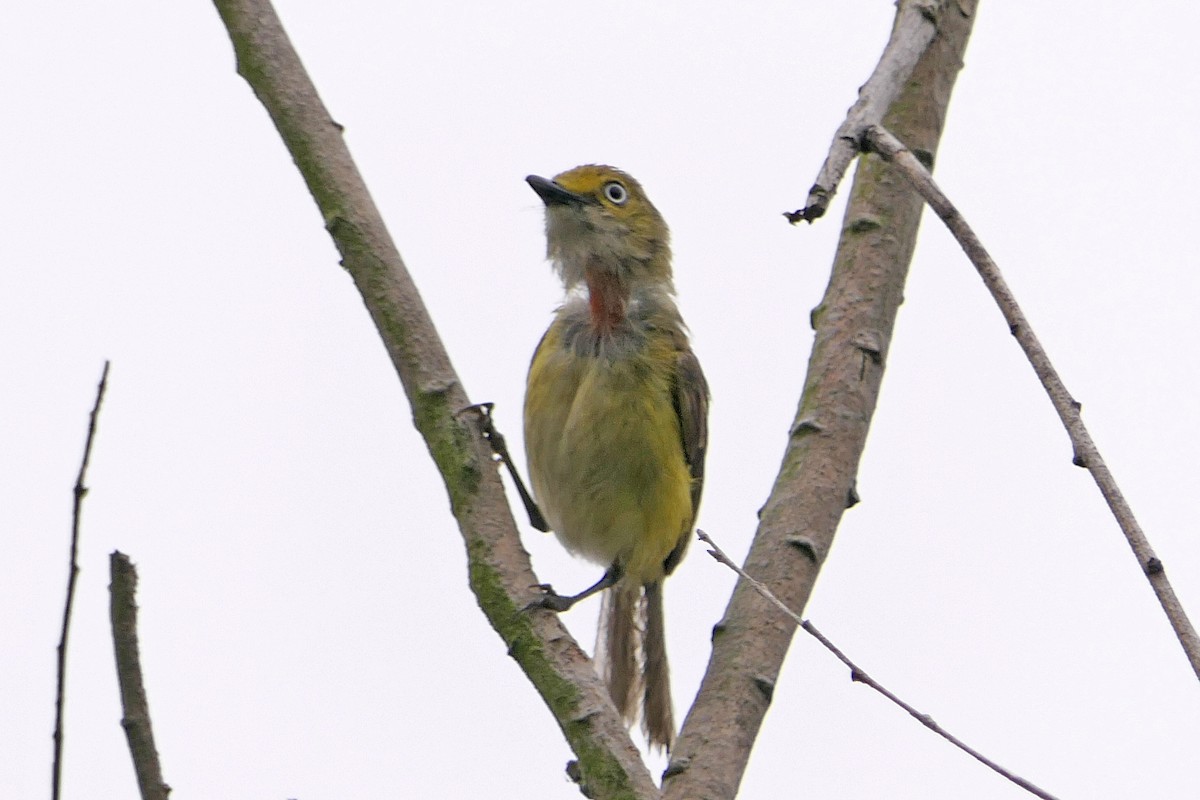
(136, 711)
(500, 574)
(817, 477)
(80, 492)
(915, 27)
(1086, 453)
(858, 674)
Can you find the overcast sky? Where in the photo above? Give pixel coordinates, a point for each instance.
(306, 627)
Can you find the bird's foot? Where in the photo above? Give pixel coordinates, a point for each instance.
(550, 600)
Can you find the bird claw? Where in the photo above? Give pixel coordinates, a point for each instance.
(549, 600)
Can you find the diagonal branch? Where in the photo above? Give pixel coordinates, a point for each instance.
(135, 710)
(80, 492)
(915, 27)
(859, 675)
(853, 325)
(500, 573)
(1086, 453)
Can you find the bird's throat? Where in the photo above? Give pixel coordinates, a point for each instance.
(607, 298)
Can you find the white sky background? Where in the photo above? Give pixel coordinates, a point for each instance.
(306, 627)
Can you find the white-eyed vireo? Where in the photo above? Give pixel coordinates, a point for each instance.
(616, 413)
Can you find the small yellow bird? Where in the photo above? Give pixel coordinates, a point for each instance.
(616, 424)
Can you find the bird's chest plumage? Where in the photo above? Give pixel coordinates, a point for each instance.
(603, 444)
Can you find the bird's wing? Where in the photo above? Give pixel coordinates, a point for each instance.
(691, 404)
(690, 395)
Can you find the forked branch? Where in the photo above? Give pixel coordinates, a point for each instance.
(853, 329)
(915, 27)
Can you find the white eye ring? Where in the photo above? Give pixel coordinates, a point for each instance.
(616, 193)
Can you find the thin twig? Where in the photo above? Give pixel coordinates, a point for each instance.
(915, 27)
(73, 572)
(857, 673)
(1086, 454)
(136, 711)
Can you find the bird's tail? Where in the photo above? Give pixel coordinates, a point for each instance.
(631, 653)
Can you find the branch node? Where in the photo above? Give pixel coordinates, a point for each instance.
(864, 224)
(765, 686)
(804, 425)
(915, 28)
(852, 498)
(676, 766)
(930, 9)
(870, 342)
(438, 387)
(334, 220)
(818, 201)
(586, 714)
(575, 773)
(805, 545)
(1153, 566)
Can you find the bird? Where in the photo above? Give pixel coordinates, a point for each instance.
(616, 425)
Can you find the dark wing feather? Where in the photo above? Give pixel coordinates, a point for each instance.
(691, 404)
(690, 395)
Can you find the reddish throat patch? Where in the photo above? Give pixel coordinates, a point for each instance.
(607, 299)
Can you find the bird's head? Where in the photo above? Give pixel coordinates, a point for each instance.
(601, 226)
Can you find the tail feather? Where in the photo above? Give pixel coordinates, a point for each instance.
(631, 655)
(617, 647)
(658, 717)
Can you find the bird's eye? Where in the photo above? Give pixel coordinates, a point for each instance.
(616, 193)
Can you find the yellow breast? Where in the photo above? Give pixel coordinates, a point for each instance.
(602, 438)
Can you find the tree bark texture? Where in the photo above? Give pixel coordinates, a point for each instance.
(139, 733)
(853, 324)
(609, 766)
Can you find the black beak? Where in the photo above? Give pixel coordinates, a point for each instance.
(552, 194)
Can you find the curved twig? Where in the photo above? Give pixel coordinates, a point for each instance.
(881, 141)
